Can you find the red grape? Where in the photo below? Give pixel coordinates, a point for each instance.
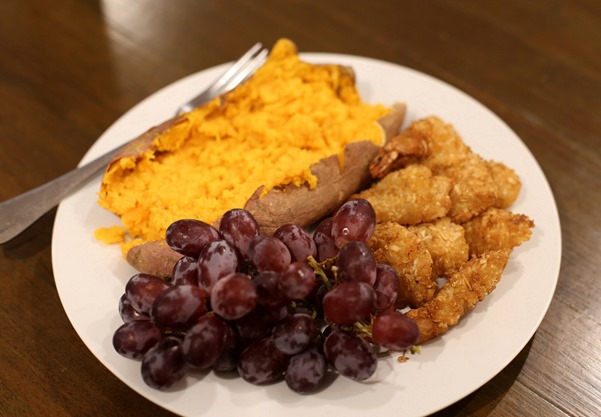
(178, 307)
(259, 323)
(142, 289)
(239, 227)
(204, 341)
(297, 240)
(190, 236)
(234, 296)
(306, 371)
(262, 362)
(386, 287)
(356, 263)
(269, 294)
(164, 365)
(217, 260)
(228, 360)
(324, 242)
(295, 333)
(350, 355)
(185, 271)
(127, 312)
(268, 253)
(133, 339)
(297, 281)
(395, 331)
(349, 302)
(354, 221)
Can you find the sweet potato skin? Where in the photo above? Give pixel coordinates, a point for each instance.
(155, 258)
(303, 206)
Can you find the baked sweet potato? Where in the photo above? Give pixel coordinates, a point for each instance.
(289, 145)
(289, 204)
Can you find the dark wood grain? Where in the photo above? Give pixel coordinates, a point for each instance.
(70, 68)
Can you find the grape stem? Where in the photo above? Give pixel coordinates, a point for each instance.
(363, 330)
(318, 269)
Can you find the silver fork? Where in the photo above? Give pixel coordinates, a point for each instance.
(20, 212)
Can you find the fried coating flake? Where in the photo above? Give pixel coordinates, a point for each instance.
(507, 183)
(463, 290)
(446, 243)
(402, 249)
(409, 196)
(497, 229)
(473, 187)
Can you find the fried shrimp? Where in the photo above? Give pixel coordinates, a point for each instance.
(446, 243)
(401, 150)
(452, 208)
(426, 139)
(473, 188)
(408, 196)
(497, 229)
(463, 290)
(507, 183)
(402, 249)
(476, 183)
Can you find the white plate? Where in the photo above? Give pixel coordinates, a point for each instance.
(90, 276)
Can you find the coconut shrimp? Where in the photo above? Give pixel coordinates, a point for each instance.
(475, 279)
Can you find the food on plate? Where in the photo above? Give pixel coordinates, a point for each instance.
(446, 243)
(154, 257)
(264, 316)
(497, 229)
(507, 183)
(454, 255)
(409, 234)
(474, 280)
(473, 188)
(410, 195)
(293, 131)
(293, 204)
(477, 184)
(394, 244)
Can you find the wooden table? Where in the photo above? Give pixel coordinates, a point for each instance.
(70, 68)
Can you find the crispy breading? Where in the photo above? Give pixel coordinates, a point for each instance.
(402, 249)
(473, 187)
(463, 290)
(507, 183)
(446, 243)
(438, 146)
(497, 229)
(446, 148)
(411, 195)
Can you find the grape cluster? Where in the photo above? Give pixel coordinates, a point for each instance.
(291, 305)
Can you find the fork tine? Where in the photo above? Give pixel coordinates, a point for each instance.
(238, 65)
(246, 71)
(238, 72)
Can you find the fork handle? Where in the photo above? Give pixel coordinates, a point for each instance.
(20, 212)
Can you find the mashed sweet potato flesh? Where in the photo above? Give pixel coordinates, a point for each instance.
(268, 132)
